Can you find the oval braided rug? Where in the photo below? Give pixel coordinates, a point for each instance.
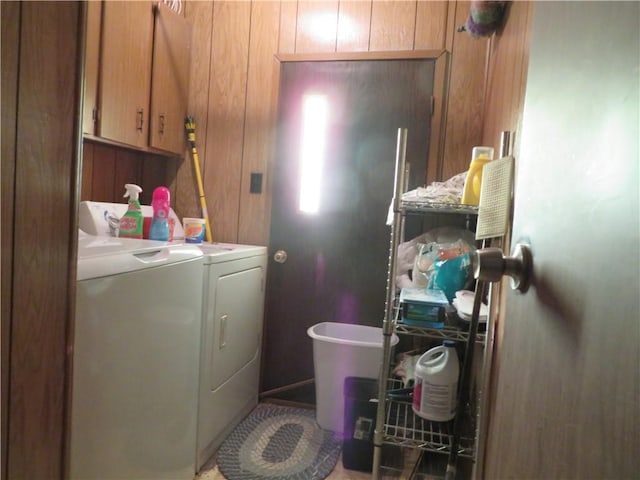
(278, 443)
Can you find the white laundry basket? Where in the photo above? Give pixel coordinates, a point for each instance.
(342, 350)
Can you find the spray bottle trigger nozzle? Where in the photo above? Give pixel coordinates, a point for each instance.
(132, 191)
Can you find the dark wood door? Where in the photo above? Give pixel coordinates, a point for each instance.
(336, 258)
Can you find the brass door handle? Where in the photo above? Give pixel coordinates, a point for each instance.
(280, 256)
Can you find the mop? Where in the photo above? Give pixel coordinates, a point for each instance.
(190, 127)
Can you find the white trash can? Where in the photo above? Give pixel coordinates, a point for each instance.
(342, 350)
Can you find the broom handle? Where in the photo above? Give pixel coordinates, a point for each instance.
(465, 379)
(190, 126)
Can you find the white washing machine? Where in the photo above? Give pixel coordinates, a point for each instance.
(136, 360)
(234, 279)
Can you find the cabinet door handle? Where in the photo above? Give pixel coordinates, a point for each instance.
(139, 119)
(161, 124)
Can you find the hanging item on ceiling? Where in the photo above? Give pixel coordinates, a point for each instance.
(175, 5)
(485, 17)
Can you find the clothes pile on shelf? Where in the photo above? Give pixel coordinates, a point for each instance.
(449, 191)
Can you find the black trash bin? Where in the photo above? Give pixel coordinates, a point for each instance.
(360, 409)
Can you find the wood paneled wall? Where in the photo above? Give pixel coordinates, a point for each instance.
(233, 91)
(106, 169)
(507, 75)
(233, 98)
(504, 104)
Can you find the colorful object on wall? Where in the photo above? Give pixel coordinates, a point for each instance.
(484, 18)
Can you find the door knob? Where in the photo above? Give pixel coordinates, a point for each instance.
(489, 264)
(280, 256)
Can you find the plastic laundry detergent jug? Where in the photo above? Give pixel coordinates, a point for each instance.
(480, 156)
(436, 383)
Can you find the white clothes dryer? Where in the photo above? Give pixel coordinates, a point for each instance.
(234, 286)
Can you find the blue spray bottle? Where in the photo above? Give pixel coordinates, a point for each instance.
(161, 203)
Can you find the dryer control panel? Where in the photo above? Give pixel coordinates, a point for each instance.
(101, 218)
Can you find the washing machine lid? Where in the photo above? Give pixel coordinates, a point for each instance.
(100, 256)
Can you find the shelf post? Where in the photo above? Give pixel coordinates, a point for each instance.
(388, 322)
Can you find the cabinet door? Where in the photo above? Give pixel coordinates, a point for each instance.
(170, 86)
(89, 115)
(125, 74)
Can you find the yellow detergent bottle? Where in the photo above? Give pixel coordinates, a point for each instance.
(479, 157)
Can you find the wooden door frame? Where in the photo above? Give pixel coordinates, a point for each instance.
(40, 203)
(438, 116)
(435, 157)
(10, 58)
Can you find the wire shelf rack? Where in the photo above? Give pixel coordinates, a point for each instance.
(414, 207)
(404, 428)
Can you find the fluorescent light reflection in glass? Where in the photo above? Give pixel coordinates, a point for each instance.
(314, 131)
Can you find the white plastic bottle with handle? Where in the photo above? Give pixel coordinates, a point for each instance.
(436, 383)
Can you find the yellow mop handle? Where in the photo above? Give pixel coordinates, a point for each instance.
(190, 126)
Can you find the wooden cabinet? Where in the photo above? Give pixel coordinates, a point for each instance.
(142, 75)
(125, 72)
(92, 57)
(170, 84)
